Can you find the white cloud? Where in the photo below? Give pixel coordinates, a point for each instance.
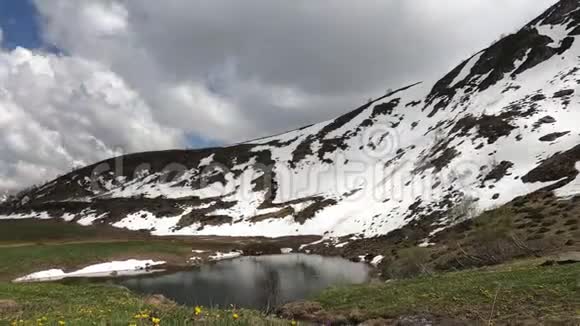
(56, 112)
(230, 70)
(105, 18)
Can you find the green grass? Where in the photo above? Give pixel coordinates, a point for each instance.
(526, 292)
(17, 261)
(92, 304)
(35, 230)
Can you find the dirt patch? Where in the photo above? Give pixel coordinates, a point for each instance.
(439, 157)
(490, 127)
(286, 211)
(544, 120)
(498, 172)
(311, 210)
(262, 248)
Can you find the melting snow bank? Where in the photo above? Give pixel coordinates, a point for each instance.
(224, 255)
(377, 260)
(286, 250)
(114, 268)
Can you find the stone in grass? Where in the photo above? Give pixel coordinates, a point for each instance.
(9, 306)
(159, 300)
(310, 311)
(427, 320)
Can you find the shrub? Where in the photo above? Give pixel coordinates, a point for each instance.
(410, 263)
(495, 239)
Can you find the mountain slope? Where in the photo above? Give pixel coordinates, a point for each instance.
(500, 125)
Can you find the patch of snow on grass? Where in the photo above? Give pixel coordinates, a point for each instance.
(286, 250)
(377, 260)
(114, 268)
(224, 255)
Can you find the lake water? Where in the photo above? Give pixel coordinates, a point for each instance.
(252, 282)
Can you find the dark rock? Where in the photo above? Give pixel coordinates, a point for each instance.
(553, 136)
(565, 92)
(544, 120)
(560, 165)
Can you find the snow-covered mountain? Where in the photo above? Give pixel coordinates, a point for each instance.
(500, 125)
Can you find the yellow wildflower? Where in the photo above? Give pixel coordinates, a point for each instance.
(293, 323)
(155, 320)
(235, 316)
(61, 322)
(197, 310)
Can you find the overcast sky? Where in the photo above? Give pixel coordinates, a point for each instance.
(83, 80)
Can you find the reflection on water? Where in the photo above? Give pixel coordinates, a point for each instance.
(253, 282)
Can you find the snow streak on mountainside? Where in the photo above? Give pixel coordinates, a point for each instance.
(502, 124)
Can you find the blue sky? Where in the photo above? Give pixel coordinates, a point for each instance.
(20, 24)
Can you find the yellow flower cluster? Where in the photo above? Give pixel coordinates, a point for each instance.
(200, 313)
(40, 322)
(145, 315)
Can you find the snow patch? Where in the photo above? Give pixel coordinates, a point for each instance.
(224, 255)
(286, 250)
(110, 269)
(377, 260)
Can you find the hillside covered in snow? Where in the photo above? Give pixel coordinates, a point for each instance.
(502, 124)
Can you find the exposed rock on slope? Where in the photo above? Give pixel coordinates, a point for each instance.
(500, 125)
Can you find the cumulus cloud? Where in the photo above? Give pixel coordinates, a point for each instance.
(59, 112)
(229, 70)
(148, 74)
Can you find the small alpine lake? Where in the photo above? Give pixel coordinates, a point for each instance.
(261, 282)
